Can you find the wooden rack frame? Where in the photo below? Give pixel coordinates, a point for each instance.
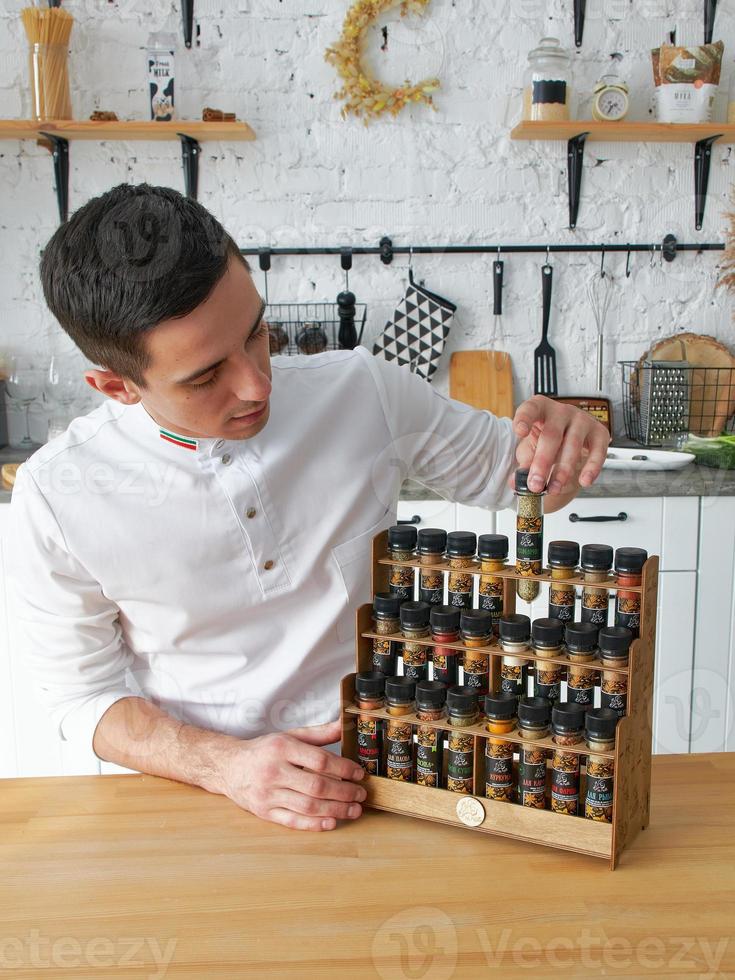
(631, 802)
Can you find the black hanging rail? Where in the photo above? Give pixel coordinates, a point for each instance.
(710, 7)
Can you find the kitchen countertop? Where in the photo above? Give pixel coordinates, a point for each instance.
(135, 876)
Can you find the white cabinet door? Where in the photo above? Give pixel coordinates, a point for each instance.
(8, 759)
(430, 513)
(672, 683)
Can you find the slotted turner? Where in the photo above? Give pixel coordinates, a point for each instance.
(544, 357)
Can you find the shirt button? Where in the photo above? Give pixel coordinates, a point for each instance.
(251, 512)
(268, 565)
(226, 459)
(219, 444)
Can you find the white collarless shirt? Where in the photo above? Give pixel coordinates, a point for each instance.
(220, 580)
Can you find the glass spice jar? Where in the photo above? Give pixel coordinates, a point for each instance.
(567, 722)
(600, 727)
(596, 564)
(415, 626)
(402, 547)
(500, 719)
(462, 711)
(614, 645)
(461, 547)
(533, 724)
(370, 696)
(492, 550)
(400, 694)
(386, 621)
(444, 623)
(547, 82)
(547, 637)
(432, 542)
(529, 535)
(629, 564)
(515, 633)
(563, 561)
(430, 700)
(476, 629)
(581, 644)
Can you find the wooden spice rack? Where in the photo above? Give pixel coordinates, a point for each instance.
(632, 755)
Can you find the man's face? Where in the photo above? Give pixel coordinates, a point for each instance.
(210, 369)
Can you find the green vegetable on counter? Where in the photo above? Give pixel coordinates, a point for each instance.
(718, 451)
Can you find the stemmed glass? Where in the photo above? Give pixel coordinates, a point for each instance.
(24, 384)
(62, 388)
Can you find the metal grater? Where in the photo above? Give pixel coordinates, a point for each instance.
(664, 401)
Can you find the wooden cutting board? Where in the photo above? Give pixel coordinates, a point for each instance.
(7, 475)
(483, 379)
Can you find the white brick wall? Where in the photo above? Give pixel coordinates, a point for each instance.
(449, 176)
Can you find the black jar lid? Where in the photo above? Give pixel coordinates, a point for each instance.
(462, 699)
(514, 627)
(370, 682)
(386, 604)
(433, 693)
(615, 640)
(461, 544)
(567, 714)
(492, 546)
(432, 541)
(601, 723)
(415, 614)
(402, 537)
(581, 637)
(400, 688)
(549, 632)
(521, 482)
(630, 559)
(597, 557)
(564, 554)
(444, 619)
(501, 705)
(476, 622)
(534, 711)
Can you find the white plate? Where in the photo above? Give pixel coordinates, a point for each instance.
(655, 459)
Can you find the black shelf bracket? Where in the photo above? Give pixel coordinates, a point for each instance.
(579, 12)
(60, 152)
(575, 160)
(702, 156)
(187, 16)
(710, 6)
(190, 151)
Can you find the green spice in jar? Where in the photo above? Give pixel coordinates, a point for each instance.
(515, 633)
(563, 561)
(461, 547)
(402, 547)
(567, 721)
(529, 535)
(492, 550)
(500, 715)
(430, 700)
(614, 643)
(596, 565)
(462, 711)
(415, 626)
(599, 793)
(533, 724)
(444, 623)
(547, 640)
(476, 627)
(432, 542)
(629, 564)
(386, 621)
(370, 696)
(581, 644)
(400, 693)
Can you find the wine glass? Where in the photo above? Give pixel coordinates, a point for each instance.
(62, 379)
(24, 384)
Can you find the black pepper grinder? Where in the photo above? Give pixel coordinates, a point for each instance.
(347, 337)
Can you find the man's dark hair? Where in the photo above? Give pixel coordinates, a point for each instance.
(126, 261)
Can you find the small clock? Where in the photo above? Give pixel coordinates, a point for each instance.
(610, 101)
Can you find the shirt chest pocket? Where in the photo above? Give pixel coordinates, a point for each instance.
(353, 559)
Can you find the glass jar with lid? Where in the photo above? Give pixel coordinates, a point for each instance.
(547, 83)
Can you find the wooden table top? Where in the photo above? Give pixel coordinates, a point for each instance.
(135, 876)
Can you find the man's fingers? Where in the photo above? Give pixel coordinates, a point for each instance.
(311, 806)
(324, 734)
(547, 453)
(297, 821)
(324, 787)
(321, 761)
(597, 442)
(529, 412)
(570, 453)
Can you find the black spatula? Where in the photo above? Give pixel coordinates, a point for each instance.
(544, 357)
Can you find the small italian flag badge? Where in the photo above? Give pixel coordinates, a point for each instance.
(184, 441)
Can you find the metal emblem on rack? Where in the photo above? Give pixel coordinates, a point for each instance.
(470, 811)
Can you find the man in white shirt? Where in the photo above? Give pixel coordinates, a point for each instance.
(188, 557)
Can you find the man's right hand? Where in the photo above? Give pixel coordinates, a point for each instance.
(285, 777)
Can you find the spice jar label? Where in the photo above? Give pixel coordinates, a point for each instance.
(561, 604)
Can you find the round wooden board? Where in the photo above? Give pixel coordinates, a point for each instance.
(7, 475)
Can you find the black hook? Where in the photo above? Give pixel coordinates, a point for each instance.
(346, 259)
(627, 265)
(386, 250)
(264, 259)
(602, 265)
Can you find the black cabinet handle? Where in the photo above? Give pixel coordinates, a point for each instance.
(622, 516)
(416, 519)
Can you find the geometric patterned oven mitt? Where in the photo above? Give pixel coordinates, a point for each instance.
(418, 331)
